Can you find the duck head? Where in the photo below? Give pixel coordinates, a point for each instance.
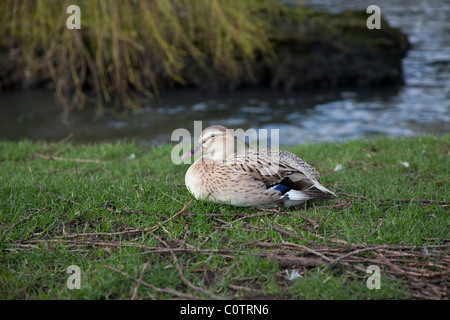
(216, 142)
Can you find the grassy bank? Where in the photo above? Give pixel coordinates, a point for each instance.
(122, 215)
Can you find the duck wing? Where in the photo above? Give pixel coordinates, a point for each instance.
(273, 169)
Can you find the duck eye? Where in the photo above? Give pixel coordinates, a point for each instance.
(213, 135)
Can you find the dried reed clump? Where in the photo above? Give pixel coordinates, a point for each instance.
(127, 48)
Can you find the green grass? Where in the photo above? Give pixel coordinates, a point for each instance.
(223, 251)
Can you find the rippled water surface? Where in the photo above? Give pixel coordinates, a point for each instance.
(421, 105)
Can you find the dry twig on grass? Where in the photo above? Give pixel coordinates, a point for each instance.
(157, 289)
(136, 288)
(386, 201)
(154, 228)
(55, 195)
(46, 157)
(181, 273)
(23, 219)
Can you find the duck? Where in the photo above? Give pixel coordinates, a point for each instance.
(260, 178)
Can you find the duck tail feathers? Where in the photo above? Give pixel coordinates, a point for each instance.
(320, 187)
(303, 195)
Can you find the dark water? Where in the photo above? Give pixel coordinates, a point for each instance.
(420, 106)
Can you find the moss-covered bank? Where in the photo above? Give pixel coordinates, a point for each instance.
(131, 48)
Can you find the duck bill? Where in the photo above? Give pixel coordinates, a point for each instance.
(198, 148)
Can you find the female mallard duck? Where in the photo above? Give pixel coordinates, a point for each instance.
(248, 177)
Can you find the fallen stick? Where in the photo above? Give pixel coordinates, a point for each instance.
(55, 195)
(414, 200)
(404, 247)
(333, 262)
(313, 222)
(43, 156)
(157, 289)
(54, 145)
(148, 249)
(95, 234)
(395, 200)
(154, 228)
(242, 288)
(139, 281)
(351, 195)
(23, 219)
(180, 270)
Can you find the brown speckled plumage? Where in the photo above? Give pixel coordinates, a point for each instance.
(260, 178)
